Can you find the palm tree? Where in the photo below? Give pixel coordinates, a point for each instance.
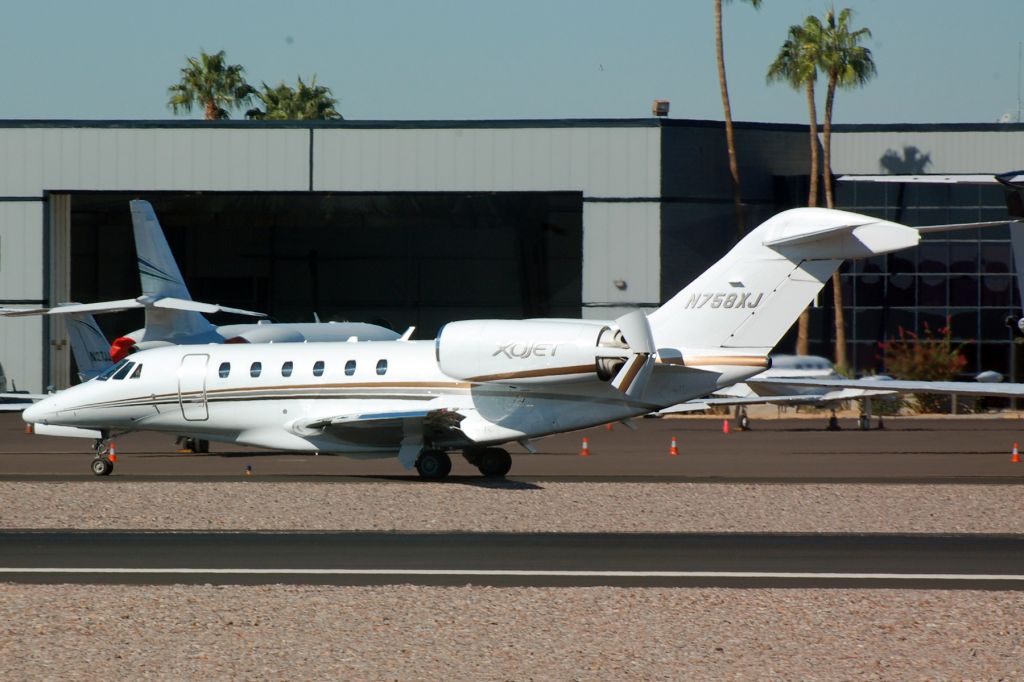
(211, 83)
(306, 102)
(797, 64)
(730, 140)
(846, 64)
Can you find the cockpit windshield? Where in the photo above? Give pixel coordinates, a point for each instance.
(123, 372)
(109, 371)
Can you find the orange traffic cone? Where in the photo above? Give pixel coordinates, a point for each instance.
(673, 449)
(112, 454)
(1015, 458)
(28, 428)
(725, 426)
(609, 426)
(585, 447)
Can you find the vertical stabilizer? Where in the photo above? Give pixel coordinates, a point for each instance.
(161, 278)
(88, 344)
(749, 299)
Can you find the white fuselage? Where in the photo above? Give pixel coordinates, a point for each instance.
(188, 390)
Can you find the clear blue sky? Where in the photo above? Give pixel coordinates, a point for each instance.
(939, 60)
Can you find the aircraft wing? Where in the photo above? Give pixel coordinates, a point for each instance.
(16, 402)
(971, 388)
(802, 399)
(406, 428)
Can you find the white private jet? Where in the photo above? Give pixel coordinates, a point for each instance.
(480, 383)
(172, 317)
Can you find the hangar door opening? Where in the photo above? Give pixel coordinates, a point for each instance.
(404, 259)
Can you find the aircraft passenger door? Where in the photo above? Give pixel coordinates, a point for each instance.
(192, 387)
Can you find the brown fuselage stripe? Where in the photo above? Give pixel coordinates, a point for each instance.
(537, 373)
(728, 360)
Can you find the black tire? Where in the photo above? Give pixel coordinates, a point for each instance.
(202, 446)
(433, 464)
(744, 423)
(101, 466)
(495, 463)
(864, 423)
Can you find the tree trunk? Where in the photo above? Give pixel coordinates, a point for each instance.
(812, 195)
(210, 110)
(730, 140)
(837, 291)
(803, 322)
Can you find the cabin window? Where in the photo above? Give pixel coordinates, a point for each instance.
(350, 368)
(109, 371)
(286, 369)
(224, 370)
(123, 372)
(318, 368)
(382, 367)
(137, 373)
(255, 369)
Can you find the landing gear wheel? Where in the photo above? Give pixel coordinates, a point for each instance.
(494, 463)
(101, 466)
(196, 445)
(433, 464)
(864, 422)
(833, 423)
(744, 422)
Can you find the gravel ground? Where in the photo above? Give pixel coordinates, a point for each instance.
(555, 507)
(406, 632)
(428, 633)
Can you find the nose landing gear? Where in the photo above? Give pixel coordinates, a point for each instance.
(103, 462)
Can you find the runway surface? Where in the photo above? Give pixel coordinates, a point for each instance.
(915, 450)
(633, 559)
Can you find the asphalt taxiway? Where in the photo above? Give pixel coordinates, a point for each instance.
(971, 449)
(533, 559)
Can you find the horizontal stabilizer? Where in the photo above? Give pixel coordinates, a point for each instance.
(198, 307)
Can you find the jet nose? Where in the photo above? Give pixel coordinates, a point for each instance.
(39, 412)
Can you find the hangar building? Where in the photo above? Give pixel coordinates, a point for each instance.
(418, 223)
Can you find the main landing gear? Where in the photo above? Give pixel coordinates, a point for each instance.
(102, 464)
(492, 462)
(434, 465)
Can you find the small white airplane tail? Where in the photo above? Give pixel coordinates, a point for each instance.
(747, 301)
(161, 279)
(88, 344)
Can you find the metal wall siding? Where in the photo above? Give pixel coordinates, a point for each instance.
(621, 241)
(948, 152)
(21, 251)
(601, 162)
(157, 158)
(22, 279)
(21, 341)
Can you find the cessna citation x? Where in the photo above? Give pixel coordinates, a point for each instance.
(480, 383)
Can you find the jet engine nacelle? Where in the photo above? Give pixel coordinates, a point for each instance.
(529, 351)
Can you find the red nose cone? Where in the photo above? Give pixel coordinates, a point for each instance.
(121, 348)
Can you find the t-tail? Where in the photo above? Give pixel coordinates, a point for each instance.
(162, 284)
(747, 301)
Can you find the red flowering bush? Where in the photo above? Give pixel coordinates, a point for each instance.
(925, 357)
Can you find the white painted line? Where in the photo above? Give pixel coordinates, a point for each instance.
(513, 573)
